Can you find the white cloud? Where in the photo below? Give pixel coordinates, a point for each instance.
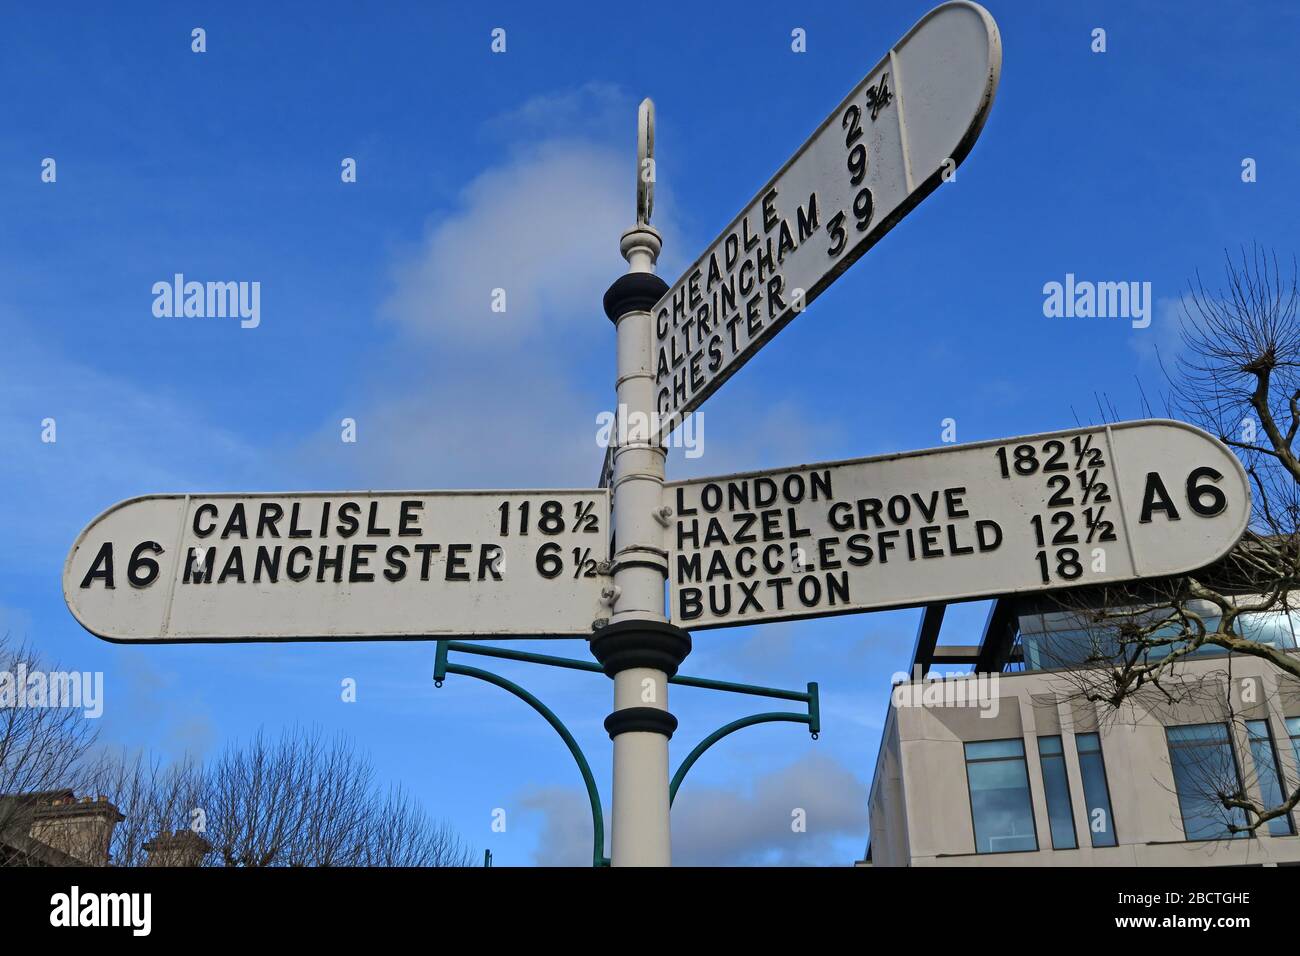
(730, 827)
(751, 435)
(544, 227)
(505, 398)
(566, 837)
(1162, 340)
(115, 439)
(15, 623)
(594, 109)
(713, 827)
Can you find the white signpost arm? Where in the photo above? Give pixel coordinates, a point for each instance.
(639, 649)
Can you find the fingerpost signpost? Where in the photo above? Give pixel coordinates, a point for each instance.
(1037, 513)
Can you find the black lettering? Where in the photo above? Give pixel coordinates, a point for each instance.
(952, 498)
(455, 562)
(267, 562)
(199, 570)
(297, 532)
(304, 552)
(204, 509)
(325, 562)
(236, 523)
(234, 566)
(371, 530)
(840, 516)
(1156, 498)
(769, 210)
(487, 558)
(860, 545)
(396, 560)
(349, 523)
(681, 504)
(102, 567)
(689, 605)
(748, 591)
(359, 562)
(988, 534)
(408, 520)
(268, 519)
(426, 553)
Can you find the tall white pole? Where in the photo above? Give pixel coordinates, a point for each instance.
(639, 649)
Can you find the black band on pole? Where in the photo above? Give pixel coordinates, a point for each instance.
(654, 644)
(633, 292)
(642, 719)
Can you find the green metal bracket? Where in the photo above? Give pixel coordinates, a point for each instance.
(443, 667)
(812, 719)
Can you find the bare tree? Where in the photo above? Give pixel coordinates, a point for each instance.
(303, 800)
(398, 832)
(154, 799)
(42, 748)
(1238, 377)
(299, 800)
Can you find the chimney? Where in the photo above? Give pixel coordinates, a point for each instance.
(81, 828)
(182, 848)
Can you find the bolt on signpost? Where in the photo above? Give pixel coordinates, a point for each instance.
(1036, 513)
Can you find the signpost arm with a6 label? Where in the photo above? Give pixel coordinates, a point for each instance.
(1085, 506)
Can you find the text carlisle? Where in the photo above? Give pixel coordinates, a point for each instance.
(346, 565)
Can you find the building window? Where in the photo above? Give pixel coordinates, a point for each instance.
(1268, 774)
(1056, 786)
(1204, 767)
(1267, 627)
(1096, 792)
(999, 796)
(1293, 730)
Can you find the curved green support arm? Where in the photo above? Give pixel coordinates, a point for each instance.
(731, 728)
(597, 817)
(443, 667)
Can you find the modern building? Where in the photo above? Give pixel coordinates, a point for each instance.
(1014, 765)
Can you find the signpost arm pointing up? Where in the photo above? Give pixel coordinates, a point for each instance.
(639, 648)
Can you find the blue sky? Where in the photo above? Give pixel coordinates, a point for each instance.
(479, 170)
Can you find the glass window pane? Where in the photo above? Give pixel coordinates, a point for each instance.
(986, 749)
(999, 797)
(1268, 775)
(1293, 730)
(1096, 793)
(1196, 734)
(1267, 627)
(1203, 764)
(1056, 787)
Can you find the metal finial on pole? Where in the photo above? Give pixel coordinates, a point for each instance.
(645, 161)
(640, 245)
